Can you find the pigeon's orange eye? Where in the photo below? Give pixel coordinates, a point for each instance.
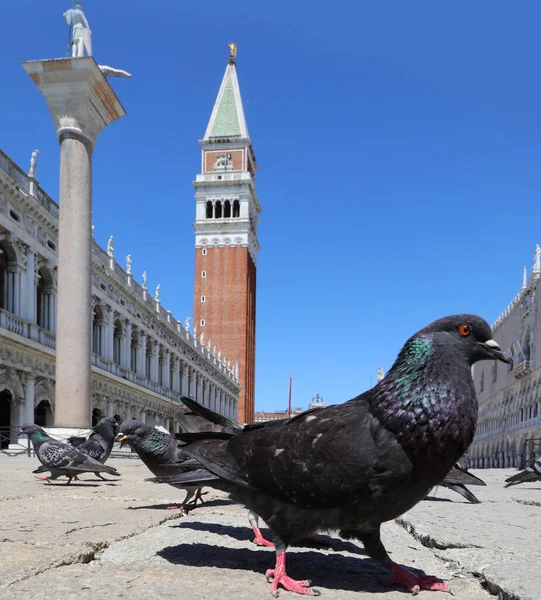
(132, 429)
(464, 330)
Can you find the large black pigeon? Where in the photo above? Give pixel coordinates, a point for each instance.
(529, 474)
(161, 453)
(457, 479)
(60, 458)
(356, 465)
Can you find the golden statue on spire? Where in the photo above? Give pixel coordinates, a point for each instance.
(232, 51)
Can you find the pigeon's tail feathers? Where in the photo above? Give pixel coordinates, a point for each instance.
(208, 414)
(463, 491)
(529, 474)
(108, 469)
(460, 476)
(198, 477)
(41, 469)
(94, 466)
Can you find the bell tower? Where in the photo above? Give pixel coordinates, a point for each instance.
(226, 246)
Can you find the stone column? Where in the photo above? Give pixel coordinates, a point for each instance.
(29, 312)
(166, 376)
(109, 338)
(127, 346)
(141, 355)
(82, 104)
(176, 383)
(155, 362)
(29, 386)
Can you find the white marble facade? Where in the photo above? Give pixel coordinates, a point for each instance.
(509, 427)
(143, 359)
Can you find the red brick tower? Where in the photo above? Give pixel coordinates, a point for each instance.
(226, 243)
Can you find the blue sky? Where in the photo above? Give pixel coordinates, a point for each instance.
(399, 147)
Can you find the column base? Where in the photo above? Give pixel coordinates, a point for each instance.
(64, 433)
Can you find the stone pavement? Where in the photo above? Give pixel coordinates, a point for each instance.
(117, 539)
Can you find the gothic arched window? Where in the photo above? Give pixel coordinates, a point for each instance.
(209, 210)
(236, 208)
(227, 209)
(218, 210)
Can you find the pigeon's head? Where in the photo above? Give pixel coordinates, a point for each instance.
(130, 430)
(30, 430)
(107, 423)
(466, 336)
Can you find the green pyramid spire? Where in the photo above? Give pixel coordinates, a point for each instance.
(227, 119)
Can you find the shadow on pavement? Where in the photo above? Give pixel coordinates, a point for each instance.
(244, 534)
(332, 571)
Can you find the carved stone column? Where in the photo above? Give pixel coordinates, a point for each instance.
(126, 362)
(29, 386)
(29, 311)
(82, 104)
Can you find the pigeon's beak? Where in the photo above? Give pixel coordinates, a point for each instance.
(122, 437)
(494, 351)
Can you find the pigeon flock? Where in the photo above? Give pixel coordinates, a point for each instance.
(345, 468)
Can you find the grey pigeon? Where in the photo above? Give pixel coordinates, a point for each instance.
(100, 442)
(160, 452)
(528, 475)
(356, 465)
(60, 458)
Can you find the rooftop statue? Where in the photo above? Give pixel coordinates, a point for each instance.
(81, 36)
(33, 164)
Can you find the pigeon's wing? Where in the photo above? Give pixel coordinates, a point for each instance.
(324, 459)
(95, 446)
(207, 415)
(460, 476)
(58, 455)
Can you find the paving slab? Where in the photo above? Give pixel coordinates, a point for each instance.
(117, 538)
(498, 540)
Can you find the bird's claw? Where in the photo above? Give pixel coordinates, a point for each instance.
(259, 540)
(278, 577)
(416, 583)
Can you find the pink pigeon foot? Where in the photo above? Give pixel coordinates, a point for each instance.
(259, 540)
(416, 583)
(279, 577)
(42, 478)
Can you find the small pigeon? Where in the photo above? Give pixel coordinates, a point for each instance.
(60, 458)
(100, 442)
(356, 465)
(456, 480)
(160, 452)
(529, 474)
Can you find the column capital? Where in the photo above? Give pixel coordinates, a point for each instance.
(81, 101)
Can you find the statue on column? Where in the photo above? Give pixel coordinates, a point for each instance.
(128, 264)
(187, 324)
(33, 164)
(381, 374)
(202, 339)
(195, 332)
(157, 293)
(81, 36)
(144, 280)
(110, 247)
